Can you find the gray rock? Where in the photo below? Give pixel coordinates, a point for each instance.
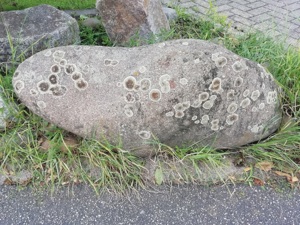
(92, 22)
(23, 177)
(3, 179)
(170, 13)
(123, 19)
(32, 30)
(169, 2)
(182, 92)
(82, 12)
(172, 171)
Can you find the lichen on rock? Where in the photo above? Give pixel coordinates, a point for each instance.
(148, 92)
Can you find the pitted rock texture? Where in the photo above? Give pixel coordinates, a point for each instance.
(123, 19)
(34, 29)
(180, 92)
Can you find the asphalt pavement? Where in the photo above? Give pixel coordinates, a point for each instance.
(182, 205)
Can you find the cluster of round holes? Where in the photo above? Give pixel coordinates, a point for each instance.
(164, 83)
(76, 76)
(33, 92)
(145, 134)
(63, 62)
(245, 103)
(55, 68)
(128, 110)
(155, 95)
(202, 97)
(81, 84)
(232, 118)
(19, 85)
(70, 68)
(58, 54)
(179, 114)
(209, 103)
(110, 62)
(180, 108)
(53, 79)
(145, 84)
(58, 90)
(215, 125)
(221, 61)
(215, 85)
(232, 108)
(255, 95)
(238, 82)
(129, 98)
(129, 83)
(246, 93)
(204, 119)
(239, 66)
(170, 114)
(272, 97)
(43, 86)
(183, 81)
(230, 95)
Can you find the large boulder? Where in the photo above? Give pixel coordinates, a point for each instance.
(182, 92)
(123, 19)
(25, 32)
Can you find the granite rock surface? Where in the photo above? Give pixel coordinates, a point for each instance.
(181, 92)
(25, 32)
(123, 19)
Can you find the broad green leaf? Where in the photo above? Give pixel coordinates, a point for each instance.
(159, 177)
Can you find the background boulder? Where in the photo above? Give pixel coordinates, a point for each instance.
(25, 32)
(123, 19)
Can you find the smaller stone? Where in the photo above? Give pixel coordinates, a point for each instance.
(2, 179)
(34, 29)
(170, 13)
(23, 177)
(91, 22)
(124, 19)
